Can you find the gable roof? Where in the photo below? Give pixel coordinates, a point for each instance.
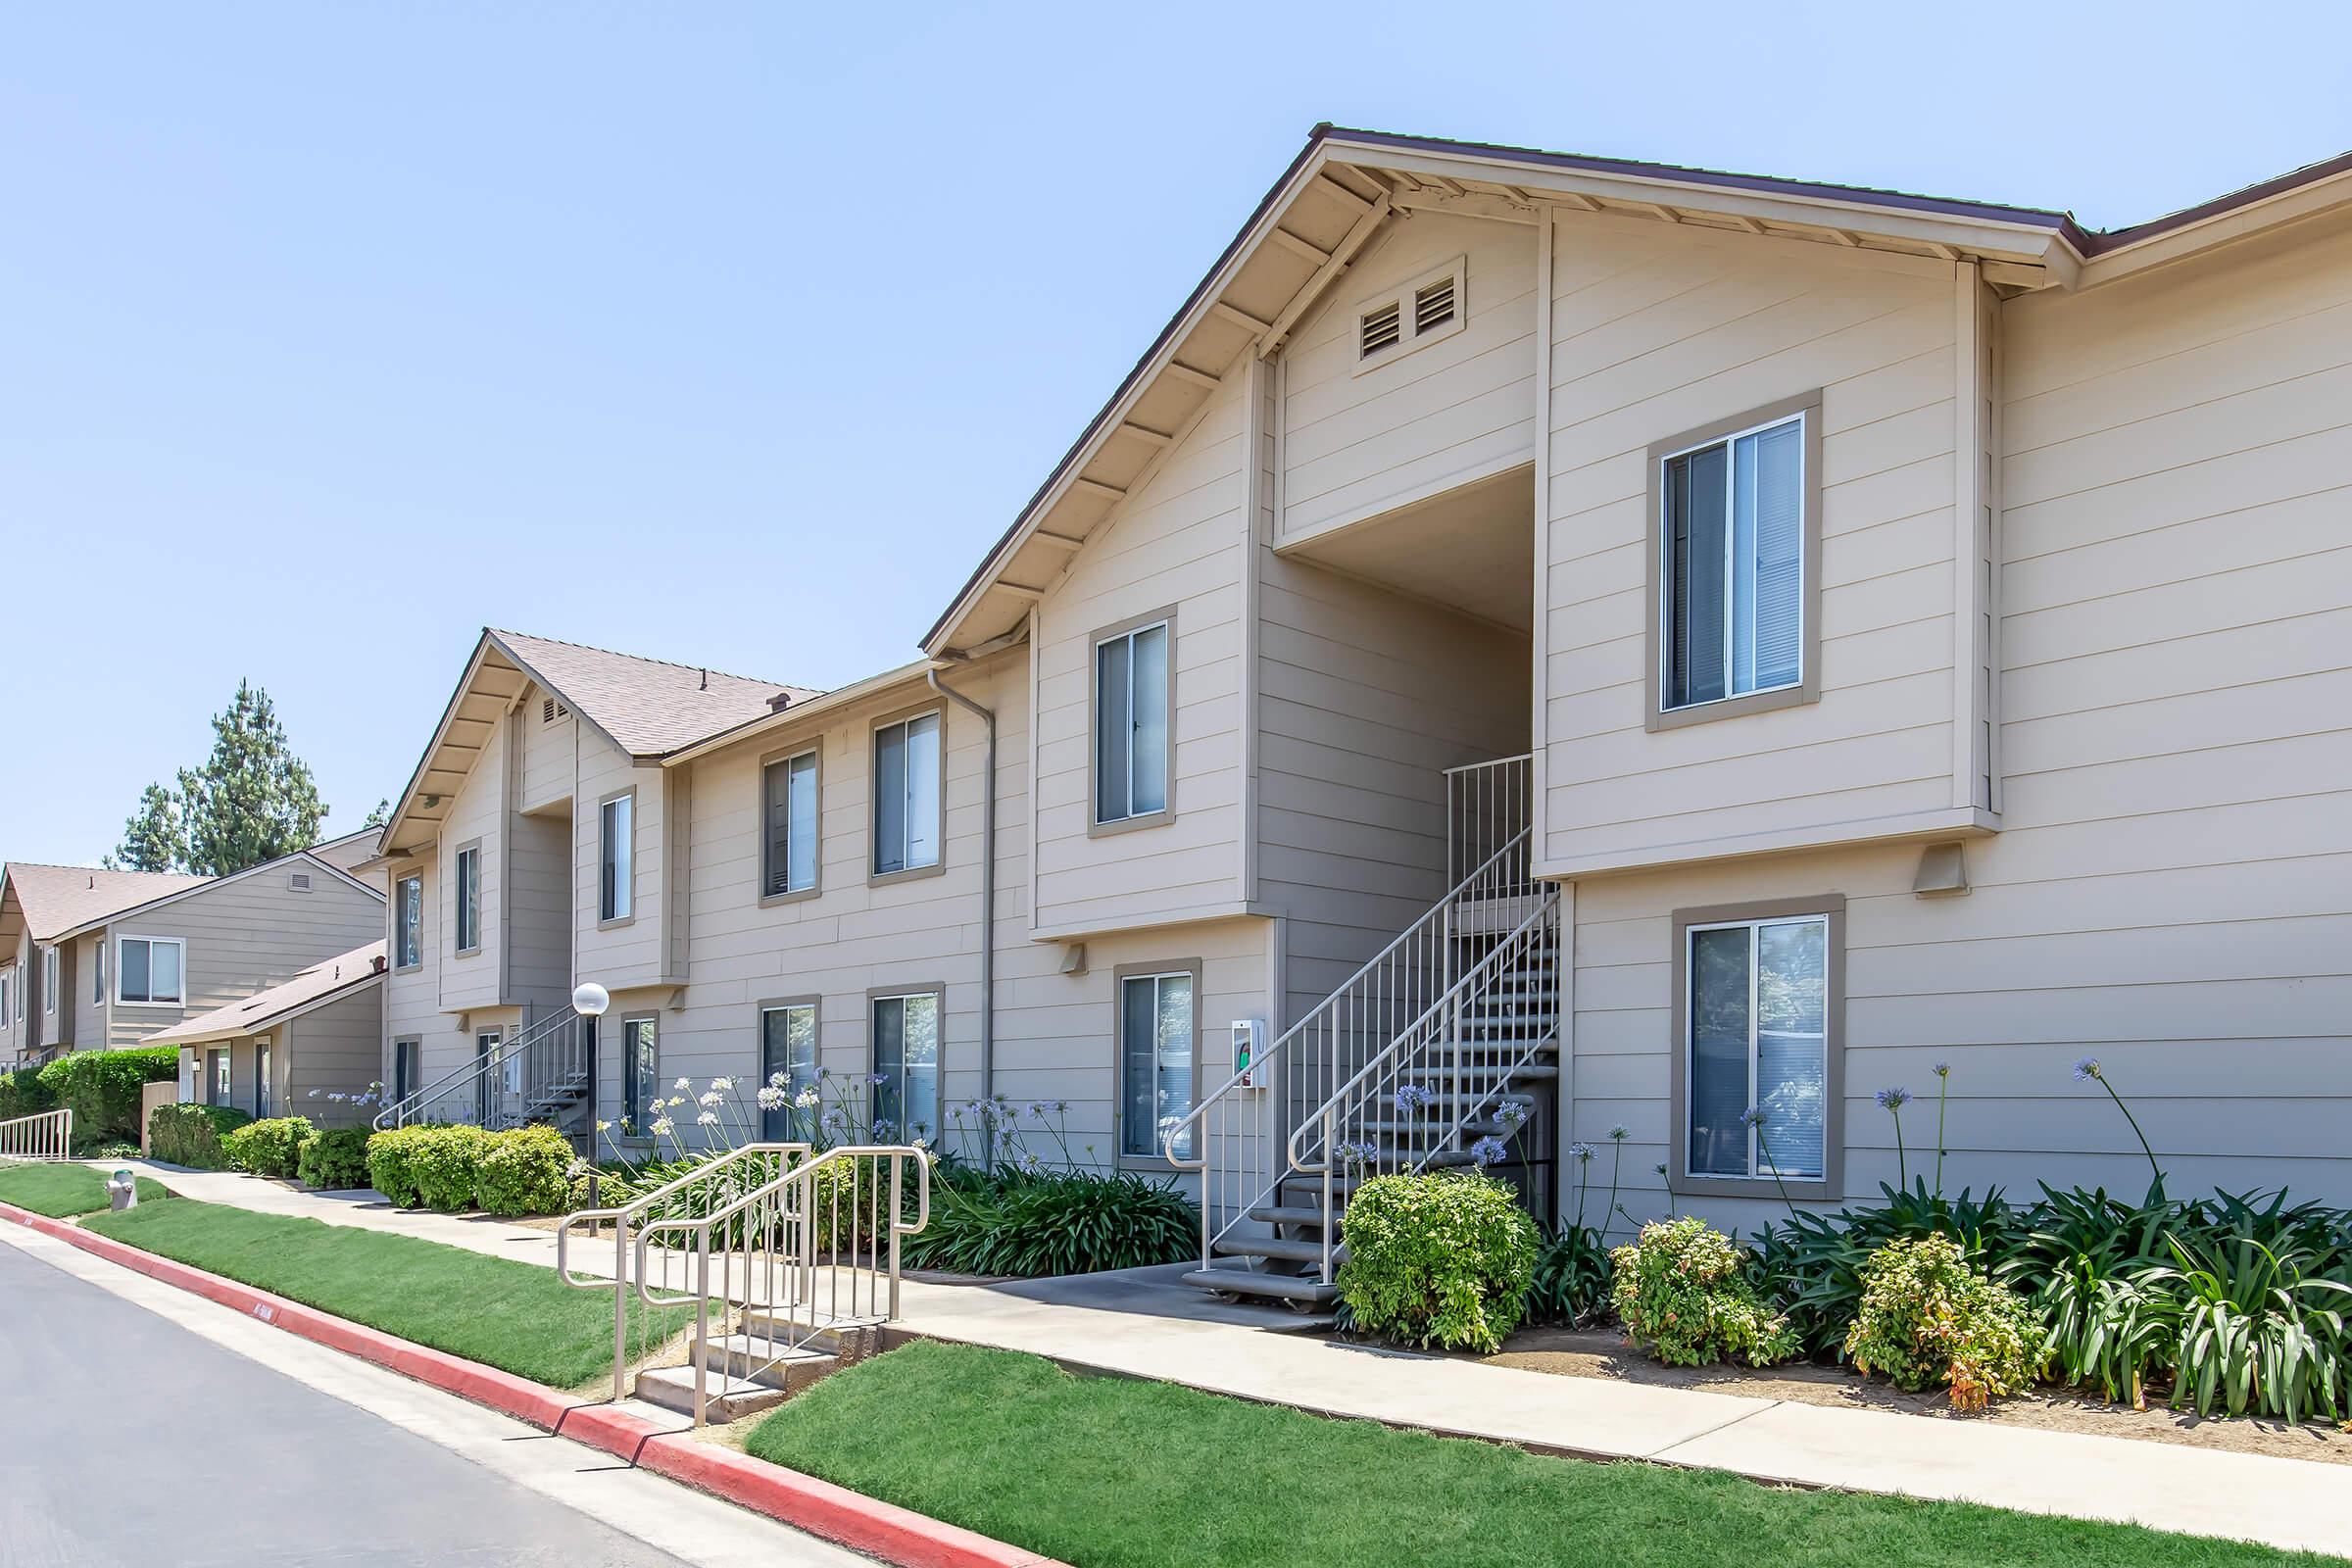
(55, 901)
(1345, 185)
(324, 982)
(645, 707)
(197, 886)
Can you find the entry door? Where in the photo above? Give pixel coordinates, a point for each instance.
(788, 1048)
(487, 1083)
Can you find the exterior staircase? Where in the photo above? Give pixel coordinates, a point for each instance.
(1442, 1051)
(544, 1074)
(765, 1359)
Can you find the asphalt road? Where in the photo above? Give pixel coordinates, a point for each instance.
(126, 1438)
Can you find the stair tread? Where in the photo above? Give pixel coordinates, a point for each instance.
(1288, 1214)
(1286, 1287)
(1290, 1250)
(717, 1383)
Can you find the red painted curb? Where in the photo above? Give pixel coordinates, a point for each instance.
(853, 1519)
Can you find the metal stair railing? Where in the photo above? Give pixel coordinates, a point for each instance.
(45, 1135)
(1462, 1052)
(712, 1185)
(1236, 1136)
(537, 1074)
(817, 1249)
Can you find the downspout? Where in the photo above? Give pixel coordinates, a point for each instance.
(988, 896)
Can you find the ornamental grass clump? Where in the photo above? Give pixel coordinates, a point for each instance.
(1681, 1291)
(1442, 1260)
(1929, 1320)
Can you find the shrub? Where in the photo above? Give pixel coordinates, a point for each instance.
(1031, 1224)
(391, 1163)
(525, 1171)
(1572, 1277)
(1810, 1265)
(267, 1147)
(1929, 1320)
(335, 1159)
(1682, 1292)
(2093, 1268)
(445, 1164)
(190, 1135)
(22, 1093)
(102, 1088)
(1438, 1259)
(2259, 1331)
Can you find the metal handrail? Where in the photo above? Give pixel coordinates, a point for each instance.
(45, 1135)
(717, 1172)
(405, 1110)
(780, 1244)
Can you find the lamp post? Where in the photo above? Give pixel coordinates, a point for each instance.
(590, 1000)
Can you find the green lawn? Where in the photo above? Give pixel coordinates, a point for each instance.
(515, 1316)
(1112, 1471)
(63, 1191)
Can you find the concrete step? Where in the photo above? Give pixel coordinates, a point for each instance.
(1290, 1250)
(1272, 1287)
(779, 1363)
(727, 1399)
(850, 1339)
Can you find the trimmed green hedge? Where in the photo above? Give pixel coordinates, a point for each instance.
(267, 1147)
(455, 1167)
(526, 1172)
(190, 1135)
(102, 1088)
(22, 1093)
(335, 1160)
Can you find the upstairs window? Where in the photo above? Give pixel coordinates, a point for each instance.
(788, 809)
(469, 897)
(1133, 692)
(98, 971)
(906, 805)
(408, 922)
(615, 876)
(49, 980)
(8, 987)
(152, 969)
(1413, 315)
(1734, 514)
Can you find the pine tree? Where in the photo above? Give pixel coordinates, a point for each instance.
(253, 799)
(381, 815)
(154, 839)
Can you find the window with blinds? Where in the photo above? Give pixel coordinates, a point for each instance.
(1733, 617)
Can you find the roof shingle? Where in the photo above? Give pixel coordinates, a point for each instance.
(59, 898)
(646, 705)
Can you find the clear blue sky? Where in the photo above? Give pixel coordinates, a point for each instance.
(733, 334)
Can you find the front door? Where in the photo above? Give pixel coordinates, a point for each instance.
(487, 1080)
(787, 1066)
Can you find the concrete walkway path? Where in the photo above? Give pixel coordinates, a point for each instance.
(1146, 1323)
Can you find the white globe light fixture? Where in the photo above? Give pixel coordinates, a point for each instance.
(591, 1000)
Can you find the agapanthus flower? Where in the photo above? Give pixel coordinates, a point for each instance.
(1511, 1115)
(836, 1121)
(1487, 1150)
(1035, 1110)
(661, 1126)
(1893, 1098)
(709, 1097)
(1753, 1116)
(877, 1079)
(777, 1080)
(1358, 1153)
(1659, 1167)
(2086, 1069)
(1943, 1070)
(882, 1129)
(708, 1118)
(1620, 1133)
(1582, 1153)
(683, 1085)
(602, 1126)
(722, 1086)
(1414, 1097)
(1030, 1162)
(769, 1098)
(806, 1098)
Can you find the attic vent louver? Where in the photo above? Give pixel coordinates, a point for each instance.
(299, 881)
(1432, 306)
(1378, 330)
(550, 711)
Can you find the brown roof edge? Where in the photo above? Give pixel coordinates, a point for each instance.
(2101, 242)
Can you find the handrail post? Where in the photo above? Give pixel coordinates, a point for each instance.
(620, 1303)
(898, 1175)
(702, 1322)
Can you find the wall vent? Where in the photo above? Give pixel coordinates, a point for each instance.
(299, 881)
(1432, 305)
(1412, 313)
(1378, 330)
(550, 711)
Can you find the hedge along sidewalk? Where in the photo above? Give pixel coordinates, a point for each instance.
(63, 1191)
(514, 1316)
(879, 1529)
(1112, 1474)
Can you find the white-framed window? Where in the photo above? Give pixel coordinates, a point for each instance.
(408, 921)
(8, 991)
(408, 1075)
(49, 980)
(1412, 315)
(98, 971)
(1756, 1035)
(264, 1097)
(615, 859)
(640, 1075)
(788, 818)
(216, 1068)
(1159, 1051)
(151, 972)
(467, 892)
(1732, 566)
(788, 1046)
(907, 807)
(1133, 692)
(906, 1054)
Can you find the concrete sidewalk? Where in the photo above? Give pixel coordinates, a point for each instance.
(1146, 1323)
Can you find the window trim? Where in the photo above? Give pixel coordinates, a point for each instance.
(1828, 906)
(936, 989)
(1119, 977)
(873, 800)
(266, 1093)
(812, 747)
(400, 1044)
(120, 1000)
(1807, 689)
(1401, 296)
(611, 922)
(636, 1135)
(1096, 828)
(53, 968)
(416, 875)
(815, 1003)
(220, 1076)
(98, 971)
(457, 892)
